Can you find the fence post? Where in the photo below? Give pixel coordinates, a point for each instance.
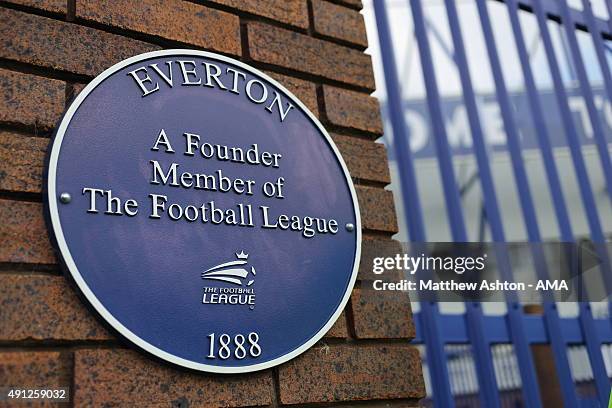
(412, 207)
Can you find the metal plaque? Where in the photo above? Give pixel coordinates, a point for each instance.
(203, 211)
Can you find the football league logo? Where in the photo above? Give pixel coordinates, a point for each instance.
(232, 272)
(239, 275)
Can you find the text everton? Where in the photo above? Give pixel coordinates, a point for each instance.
(152, 78)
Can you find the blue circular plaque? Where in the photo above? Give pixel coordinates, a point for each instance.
(203, 211)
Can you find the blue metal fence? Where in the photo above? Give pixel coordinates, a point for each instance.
(435, 329)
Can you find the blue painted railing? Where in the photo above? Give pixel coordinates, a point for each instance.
(436, 330)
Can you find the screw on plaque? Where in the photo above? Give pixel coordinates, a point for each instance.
(350, 227)
(65, 198)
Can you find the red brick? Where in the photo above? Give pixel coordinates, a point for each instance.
(357, 4)
(21, 162)
(23, 234)
(350, 372)
(65, 46)
(73, 91)
(125, 378)
(339, 329)
(373, 247)
(376, 404)
(352, 110)
(42, 307)
(339, 22)
(48, 369)
(293, 12)
(381, 314)
(30, 100)
(377, 209)
(56, 6)
(304, 90)
(175, 20)
(277, 46)
(366, 160)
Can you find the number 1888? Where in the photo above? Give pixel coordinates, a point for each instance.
(224, 346)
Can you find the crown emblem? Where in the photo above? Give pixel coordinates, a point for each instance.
(242, 255)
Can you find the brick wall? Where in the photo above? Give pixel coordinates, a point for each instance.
(48, 50)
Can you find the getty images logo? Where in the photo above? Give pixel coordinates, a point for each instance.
(240, 277)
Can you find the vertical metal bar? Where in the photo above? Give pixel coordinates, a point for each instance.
(445, 163)
(481, 350)
(567, 55)
(593, 345)
(482, 224)
(512, 134)
(599, 47)
(609, 8)
(515, 318)
(436, 355)
(527, 206)
(589, 99)
(558, 200)
(550, 311)
(482, 353)
(592, 340)
(573, 141)
(412, 208)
